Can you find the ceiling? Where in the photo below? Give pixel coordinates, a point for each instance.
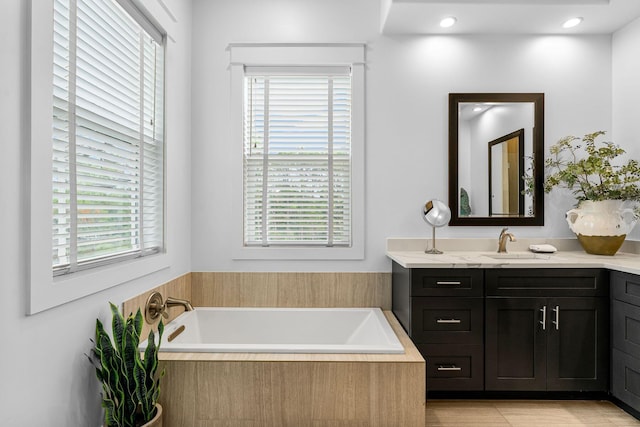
(507, 16)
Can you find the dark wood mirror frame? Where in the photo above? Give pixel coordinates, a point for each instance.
(538, 159)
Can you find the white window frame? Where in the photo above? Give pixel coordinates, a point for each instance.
(297, 55)
(47, 291)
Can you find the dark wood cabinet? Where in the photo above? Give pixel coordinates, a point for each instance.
(442, 310)
(509, 329)
(578, 344)
(558, 342)
(516, 344)
(625, 332)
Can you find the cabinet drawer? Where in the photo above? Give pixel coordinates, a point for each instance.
(447, 320)
(626, 327)
(547, 282)
(453, 367)
(625, 378)
(450, 282)
(625, 287)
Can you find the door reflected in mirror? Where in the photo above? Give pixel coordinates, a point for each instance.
(494, 142)
(506, 169)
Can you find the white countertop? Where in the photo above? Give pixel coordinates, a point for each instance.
(481, 253)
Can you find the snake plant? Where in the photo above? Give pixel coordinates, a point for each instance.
(130, 384)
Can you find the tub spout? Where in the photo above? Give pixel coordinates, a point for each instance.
(171, 302)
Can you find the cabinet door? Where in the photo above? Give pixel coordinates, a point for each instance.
(625, 378)
(577, 344)
(515, 344)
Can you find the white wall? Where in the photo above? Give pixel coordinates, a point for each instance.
(408, 81)
(45, 379)
(626, 93)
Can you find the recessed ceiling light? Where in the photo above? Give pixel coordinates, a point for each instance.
(477, 109)
(448, 22)
(570, 23)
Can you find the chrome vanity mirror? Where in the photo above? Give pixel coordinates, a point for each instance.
(437, 214)
(495, 142)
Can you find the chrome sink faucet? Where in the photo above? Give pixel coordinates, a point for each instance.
(502, 240)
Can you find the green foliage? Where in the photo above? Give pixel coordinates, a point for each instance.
(130, 384)
(593, 176)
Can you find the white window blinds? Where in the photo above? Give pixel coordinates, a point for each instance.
(108, 142)
(297, 156)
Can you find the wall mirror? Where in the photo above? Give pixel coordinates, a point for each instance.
(495, 142)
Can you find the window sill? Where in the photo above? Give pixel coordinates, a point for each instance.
(46, 294)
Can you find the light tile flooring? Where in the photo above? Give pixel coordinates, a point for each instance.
(526, 413)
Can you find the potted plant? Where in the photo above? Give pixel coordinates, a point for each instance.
(130, 384)
(605, 190)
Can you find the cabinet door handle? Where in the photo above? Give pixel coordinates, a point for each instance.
(543, 322)
(449, 283)
(449, 368)
(448, 321)
(557, 319)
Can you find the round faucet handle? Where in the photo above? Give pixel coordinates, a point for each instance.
(154, 308)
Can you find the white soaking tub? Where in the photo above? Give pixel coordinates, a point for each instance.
(280, 330)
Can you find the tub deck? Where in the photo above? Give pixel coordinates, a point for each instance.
(286, 389)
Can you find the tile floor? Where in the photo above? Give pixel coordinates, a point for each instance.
(526, 413)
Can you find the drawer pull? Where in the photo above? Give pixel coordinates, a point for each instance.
(449, 283)
(557, 320)
(449, 368)
(448, 321)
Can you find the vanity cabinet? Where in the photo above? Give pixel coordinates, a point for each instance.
(625, 332)
(546, 330)
(442, 311)
(510, 329)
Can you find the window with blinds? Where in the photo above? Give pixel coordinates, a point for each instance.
(297, 156)
(108, 141)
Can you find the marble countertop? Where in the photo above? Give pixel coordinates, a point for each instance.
(481, 253)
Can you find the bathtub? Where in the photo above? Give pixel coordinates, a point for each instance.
(280, 330)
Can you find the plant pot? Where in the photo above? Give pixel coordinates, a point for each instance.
(157, 420)
(601, 226)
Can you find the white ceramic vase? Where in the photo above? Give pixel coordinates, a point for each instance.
(601, 226)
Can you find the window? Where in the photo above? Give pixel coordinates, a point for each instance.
(298, 123)
(108, 142)
(297, 156)
(96, 152)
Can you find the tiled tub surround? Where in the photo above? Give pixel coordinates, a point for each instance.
(226, 289)
(257, 389)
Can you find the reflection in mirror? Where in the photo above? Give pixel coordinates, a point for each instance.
(493, 138)
(506, 169)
